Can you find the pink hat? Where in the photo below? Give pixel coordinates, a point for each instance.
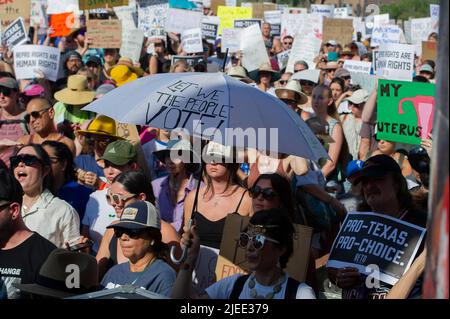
(34, 90)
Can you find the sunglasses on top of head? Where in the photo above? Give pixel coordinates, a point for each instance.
(267, 193)
(28, 160)
(258, 241)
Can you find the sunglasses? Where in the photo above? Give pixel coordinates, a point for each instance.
(289, 102)
(331, 70)
(267, 193)
(117, 199)
(132, 233)
(307, 83)
(5, 91)
(346, 77)
(287, 43)
(2, 207)
(283, 82)
(258, 241)
(28, 160)
(35, 114)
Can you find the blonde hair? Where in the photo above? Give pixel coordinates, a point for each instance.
(182, 63)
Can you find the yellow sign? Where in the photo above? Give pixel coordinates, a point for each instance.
(227, 16)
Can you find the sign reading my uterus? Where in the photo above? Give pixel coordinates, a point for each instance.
(405, 111)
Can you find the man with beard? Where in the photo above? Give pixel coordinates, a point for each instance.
(40, 115)
(22, 252)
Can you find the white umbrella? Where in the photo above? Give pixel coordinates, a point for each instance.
(220, 103)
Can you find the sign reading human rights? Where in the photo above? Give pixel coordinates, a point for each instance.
(405, 111)
(377, 245)
(30, 59)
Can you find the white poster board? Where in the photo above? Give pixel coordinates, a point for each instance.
(420, 30)
(62, 6)
(291, 20)
(152, 18)
(132, 40)
(324, 10)
(31, 58)
(38, 15)
(357, 66)
(231, 40)
(253, 48)
(127, 14)
(434, 14)
(396, 62)
(179, 20)
(387, 34)
(191, 40)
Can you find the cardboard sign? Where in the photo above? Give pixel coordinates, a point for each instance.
(59, 23)
(420, 30)
(210, 28)
(253, 48)
(10, 10)
(62, 6)
(128, 14)
(179, 20)
(232, 257)
(15, 34)
(357, 66)
(231, 40)
(38, 13)
(258, 9)
(30, 58)
(291, 20)
(95, 4)
(340, 30)
(245, 23)
(152, 18)
(104, 33)
(388, 34)
(374, 239)
(274, 18)
(191, 39)
(132, 40)
(396, 62)
(190, 60)
(324, 10)
(434, 14)
(405, 111)
(227, 16)
(429, 50)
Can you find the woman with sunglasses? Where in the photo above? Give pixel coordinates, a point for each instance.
(139, 235)
(43, 212)
(268, 242)
(127, 188)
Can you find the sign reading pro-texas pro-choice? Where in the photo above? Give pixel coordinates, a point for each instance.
(387, 245)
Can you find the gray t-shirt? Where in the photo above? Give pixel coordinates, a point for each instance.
(158, 278)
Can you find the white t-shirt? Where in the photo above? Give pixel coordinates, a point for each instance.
(223, 288)
(99, 214)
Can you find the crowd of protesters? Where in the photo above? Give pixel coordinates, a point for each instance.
(67, 173)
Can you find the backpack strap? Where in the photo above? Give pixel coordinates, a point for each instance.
(291, 288)
(238, 286)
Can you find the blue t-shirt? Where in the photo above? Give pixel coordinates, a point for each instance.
(158, 278)
(76, 195)
(88, 163)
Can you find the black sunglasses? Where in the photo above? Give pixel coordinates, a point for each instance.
(267, 193)
(28, 160)
(307, 83)
(283, 82)
(5, 91)
(132, 233)
(35, 114)
(287, 43)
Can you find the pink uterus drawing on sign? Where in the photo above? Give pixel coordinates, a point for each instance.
(424, 106)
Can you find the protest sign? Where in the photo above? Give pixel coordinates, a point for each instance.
(373, 21)
(179, 20)
(405, 111)
(407, 28)
(395, 62)
(128, 14)
(210, 28)
(132, 40)
(152, 17)
(258, 9)
(291, 20)
(227, 16)
(253, 48)
(104, 33)
(357, 66)
(10, 10)
(387, 34)
(192, 60)
(274, 18)
(324, 10)
(232, 257)
(340, 13)
(283, 58)
(231, 40)
(15, 34)
(374, 60)
(59, 23)
(95, 4)
(245, 23)
(375, 239)
(340, 30)
(434, 14)
(31, 58)
(358, 26)
(229, 3)
(420, 30)
(204, 274)
(62, 6)
(38, 15)
(366, 81)
(429, 50)
(191, 39)
(216, 3)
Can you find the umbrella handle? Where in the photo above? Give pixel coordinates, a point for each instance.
(183, 254)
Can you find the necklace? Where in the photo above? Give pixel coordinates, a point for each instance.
(270, 295)
(140, 274)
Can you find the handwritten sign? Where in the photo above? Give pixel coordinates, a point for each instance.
(434, 14)
(340, 13)
(245, 23)
(283, 58)
(128, 14)
(405, 111)
(31, 58)
(374, 239)
(191, 39)
(152, 18)
(179, 20)
(104, 33)
(210, 28)
(60, 24)
(95, 4)
(191, 60)
(227, 16)
(420, 30)
(253, 48)
(38, 14)
(15, 34)
(324, 10)
(291, 20)
(388, 34)
(231, 40)
(10, 10)
(395, 62)
(226, 268)
(62, 6)
(357, 66)
(340, 30)
(132, 40)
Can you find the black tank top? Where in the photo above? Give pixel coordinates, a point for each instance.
(210, 232)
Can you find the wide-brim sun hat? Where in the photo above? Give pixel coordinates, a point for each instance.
(76, 92)
(333, 65)
(101, 125)
(292, 91)
(265, 67)
(239, 73)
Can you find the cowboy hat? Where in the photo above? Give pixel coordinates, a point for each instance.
(176, 148)
(239, 73)
(121, 74)
(52, 278)
(76, 92)
(265, 67)
(292, 91)
(102, 125)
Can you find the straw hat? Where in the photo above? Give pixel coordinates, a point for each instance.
(239, 73)
(102, 125)
(76, 92)
(292, 91)
(265, 67)
(121, 74)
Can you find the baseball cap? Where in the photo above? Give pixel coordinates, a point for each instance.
(354, 167)
(73, 54)
(426, 68)
(34, 90)
(9, 83)
(340, 73)
(377, 166)
(358, 97)
(331, 42)
(120, 153)
(139, 215)
(94, 59)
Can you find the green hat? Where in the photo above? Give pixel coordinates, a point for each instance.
(9, 83)
(120, 153)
